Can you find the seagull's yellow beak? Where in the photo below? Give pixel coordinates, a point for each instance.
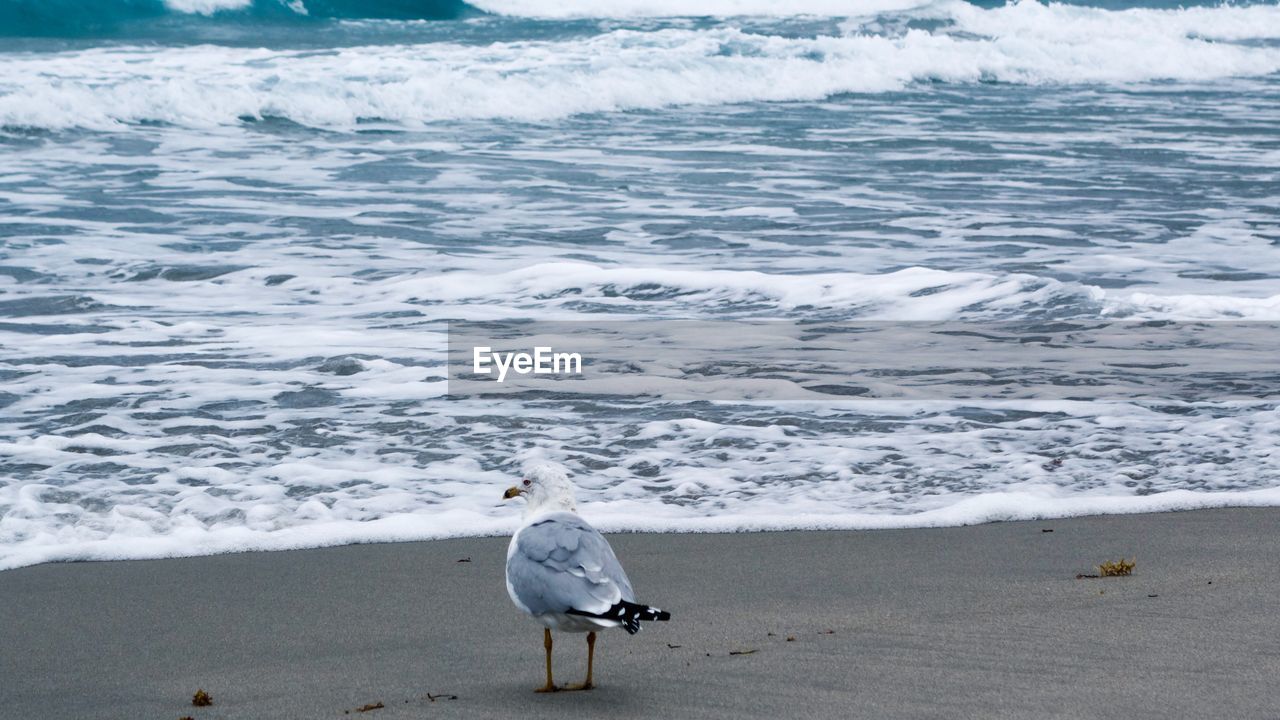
(512, 492)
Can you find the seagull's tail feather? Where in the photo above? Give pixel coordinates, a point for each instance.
(628, 614)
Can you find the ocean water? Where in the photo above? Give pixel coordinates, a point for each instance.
(232, 233)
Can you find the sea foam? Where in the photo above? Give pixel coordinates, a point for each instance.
(206, 7)
(680, 8)
(223, 330)
(621, 70)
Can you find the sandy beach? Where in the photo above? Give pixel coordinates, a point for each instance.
(986, 621)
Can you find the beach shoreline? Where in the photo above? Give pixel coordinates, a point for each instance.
(987, 620)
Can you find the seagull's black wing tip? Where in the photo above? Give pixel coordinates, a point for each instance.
(627, 614)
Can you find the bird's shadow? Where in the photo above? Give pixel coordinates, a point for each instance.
(592, 703)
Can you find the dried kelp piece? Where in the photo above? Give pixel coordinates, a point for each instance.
(1119, 568)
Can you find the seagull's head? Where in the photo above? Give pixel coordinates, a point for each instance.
(545, 488)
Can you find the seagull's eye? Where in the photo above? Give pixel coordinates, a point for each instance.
(527, 483)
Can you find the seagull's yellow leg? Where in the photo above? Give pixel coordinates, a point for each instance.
(546, 643)
(591, 654)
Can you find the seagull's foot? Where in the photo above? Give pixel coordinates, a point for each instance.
(548, 688)
(584, 686)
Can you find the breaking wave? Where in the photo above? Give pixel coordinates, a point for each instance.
(623, 69)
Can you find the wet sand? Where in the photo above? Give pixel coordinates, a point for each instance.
(984, 621)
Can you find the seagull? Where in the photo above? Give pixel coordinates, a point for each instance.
(562, 572)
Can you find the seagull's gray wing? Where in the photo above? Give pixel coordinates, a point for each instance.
(560, 563)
